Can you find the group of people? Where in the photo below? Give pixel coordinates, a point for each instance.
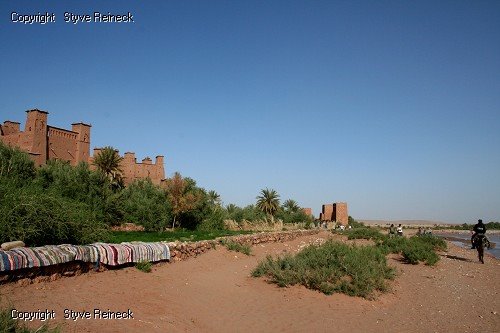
(393, 231)
(421, 231)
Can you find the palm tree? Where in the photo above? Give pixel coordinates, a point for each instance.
(268, 201)
(182, 195)
(231, 208)
(291, 206)
(108, 161)
(214, 198)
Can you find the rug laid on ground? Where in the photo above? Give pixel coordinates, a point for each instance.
(108, 254)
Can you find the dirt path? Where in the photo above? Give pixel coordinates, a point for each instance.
(215, 293)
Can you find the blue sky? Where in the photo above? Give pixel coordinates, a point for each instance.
(391, 106)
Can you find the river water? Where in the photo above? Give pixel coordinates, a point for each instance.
(463, 240)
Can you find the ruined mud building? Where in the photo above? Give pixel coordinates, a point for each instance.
(44, 142)
(335, 212)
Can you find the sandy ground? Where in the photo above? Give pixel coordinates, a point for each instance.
(215, 293)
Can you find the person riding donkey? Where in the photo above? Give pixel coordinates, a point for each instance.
(479, 230)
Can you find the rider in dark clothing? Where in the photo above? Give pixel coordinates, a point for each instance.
(479, 229)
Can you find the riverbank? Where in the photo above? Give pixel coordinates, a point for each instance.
(214, 292)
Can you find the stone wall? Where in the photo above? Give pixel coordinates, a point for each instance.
(184, 250)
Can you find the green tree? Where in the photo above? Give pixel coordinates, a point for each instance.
(15, 165)
(291, 206)
(182, 194)
(81, 184)
(145, 204)
(108, 161)
(268, 202)
(214, 198)
(231, 208)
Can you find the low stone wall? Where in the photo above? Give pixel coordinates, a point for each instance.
(178, 251)
(27, 276)
(184, 250)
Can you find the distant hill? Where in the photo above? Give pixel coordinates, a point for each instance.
(415, 223)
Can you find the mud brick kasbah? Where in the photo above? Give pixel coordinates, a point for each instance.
(335, 212)
(44, 142)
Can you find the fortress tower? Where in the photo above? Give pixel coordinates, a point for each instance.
(82, 141)
(34, 140)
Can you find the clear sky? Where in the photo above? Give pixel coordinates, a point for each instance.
(391, 106)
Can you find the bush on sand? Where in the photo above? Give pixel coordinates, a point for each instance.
(331, 267)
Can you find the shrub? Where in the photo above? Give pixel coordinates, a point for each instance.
(393, 244)
(15, 166)
(144, 266)
(365, 233)
(249, 213)
(80, 184)
(415, 252)
(214, 220)
(331, 267)
(437, 243)
(293, 216)
(146, 204)
(40, 218)
(355, 224)
(237, 247)
(415, 249)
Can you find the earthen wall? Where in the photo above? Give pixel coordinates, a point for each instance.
(326, 212)
(335, 212)
(43, 142)
(340, 213)
(132, 170)
(307, 211)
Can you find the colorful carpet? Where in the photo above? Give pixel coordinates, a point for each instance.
(108, 254)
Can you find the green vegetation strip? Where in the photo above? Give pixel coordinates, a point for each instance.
(414, 249)
(181, 235)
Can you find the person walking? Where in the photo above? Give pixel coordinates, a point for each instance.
(392, 231)
(399, 230)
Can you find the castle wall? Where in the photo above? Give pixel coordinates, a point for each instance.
(132, 170)
(62, 145)
(9, 128)
(43, 142)
(146, 169)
